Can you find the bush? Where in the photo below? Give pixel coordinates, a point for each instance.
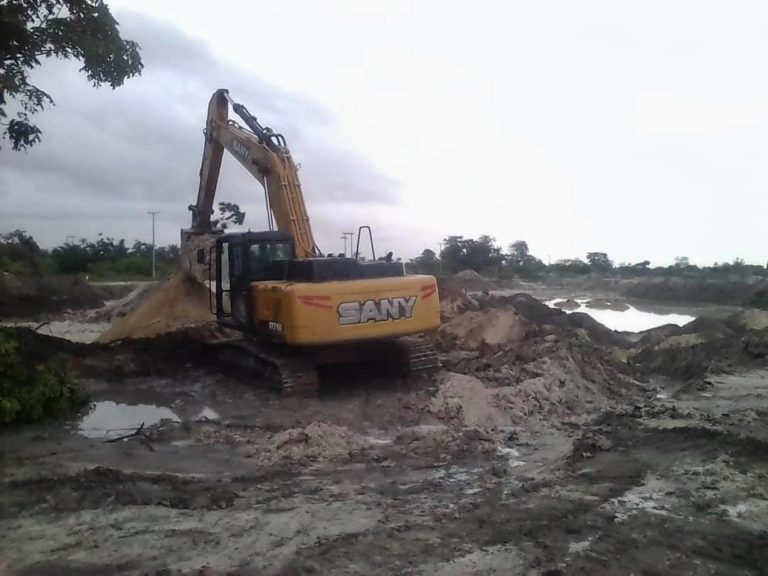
(31, 392)
(758, 299)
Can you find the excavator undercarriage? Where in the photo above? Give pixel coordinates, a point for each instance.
(296, 371)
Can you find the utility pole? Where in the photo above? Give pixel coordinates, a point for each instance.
(153, 213)
(344, 237)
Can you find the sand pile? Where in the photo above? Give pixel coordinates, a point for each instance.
(474, 329)
(570, 305)
(179, 303)
(316, 442)
(555, 389)
(465, 401)
(468, 276)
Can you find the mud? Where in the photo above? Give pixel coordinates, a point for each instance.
(557, 447)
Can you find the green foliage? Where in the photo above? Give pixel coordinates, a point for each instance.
(571, 266)
(104, 259)
(229, 213)
(426, 263)
(30, 392)
(81, 30)
(599, 261)
(481, 255)
(19, 253)
(758, 299)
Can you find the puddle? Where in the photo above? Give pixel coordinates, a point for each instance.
(629, 320)
(112, 419)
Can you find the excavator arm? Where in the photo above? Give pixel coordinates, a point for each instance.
(264, 154)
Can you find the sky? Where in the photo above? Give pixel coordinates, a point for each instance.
(637, 129)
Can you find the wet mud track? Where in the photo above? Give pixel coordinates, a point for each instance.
(673, 486)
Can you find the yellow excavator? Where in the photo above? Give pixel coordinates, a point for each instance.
(296, 309)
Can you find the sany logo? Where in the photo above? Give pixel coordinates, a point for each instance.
(241, 149)
(376, 310)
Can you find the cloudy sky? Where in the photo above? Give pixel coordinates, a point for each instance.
(633, 128)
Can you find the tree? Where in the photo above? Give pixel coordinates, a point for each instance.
(571, 266)
(19, 253)
(462, 253)
(427, 256)
(518, 252)
(82, 30)
(599, 261)
(229, 213)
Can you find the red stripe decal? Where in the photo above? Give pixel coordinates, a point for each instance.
(316, 301)
(428, 293)
(317, 305)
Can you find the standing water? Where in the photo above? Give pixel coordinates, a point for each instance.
(628, 320)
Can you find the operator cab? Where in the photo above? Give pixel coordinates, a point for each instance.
(242, 258)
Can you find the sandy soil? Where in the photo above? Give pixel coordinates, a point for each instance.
(358, 483)
(534, 451)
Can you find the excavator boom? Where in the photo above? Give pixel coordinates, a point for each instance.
(264, 154)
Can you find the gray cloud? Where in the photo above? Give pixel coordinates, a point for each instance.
(109, 156)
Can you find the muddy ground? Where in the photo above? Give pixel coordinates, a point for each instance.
(560, 450)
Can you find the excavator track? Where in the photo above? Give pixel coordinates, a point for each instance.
(294, 372)
(420, 353)
(268, 365)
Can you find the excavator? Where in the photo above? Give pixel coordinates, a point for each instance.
(292, 308)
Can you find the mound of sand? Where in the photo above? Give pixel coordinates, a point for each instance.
(179, 303)
(485, 327)
(464, 400)
(468, 276)
(555, 388)
(569, 305)
(316, 442)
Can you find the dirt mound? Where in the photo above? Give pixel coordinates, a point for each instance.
(465, 401)
(695, 355)
(33, 296)
(539, 314)
(453, 299)
(316, 442)
(754, 319)
(561, 386)
(570, 304)
(179, 303)
(467, 276)
(487, 327)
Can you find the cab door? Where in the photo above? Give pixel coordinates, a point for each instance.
(232, 284)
